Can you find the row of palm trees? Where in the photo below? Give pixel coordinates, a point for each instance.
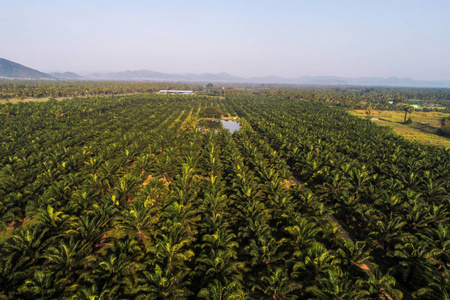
(41, 89)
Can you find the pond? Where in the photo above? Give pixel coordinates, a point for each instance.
(232, 126)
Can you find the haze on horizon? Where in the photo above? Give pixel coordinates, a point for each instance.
(347, 38)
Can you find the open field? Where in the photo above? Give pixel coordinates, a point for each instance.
(17, 100)
(44, 99)
(423, 129)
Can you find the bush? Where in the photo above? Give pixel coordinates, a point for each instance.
(212, 112)
(443, 132)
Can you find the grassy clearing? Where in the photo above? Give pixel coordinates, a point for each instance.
(423, 129)
(17, 100)
(43, 99)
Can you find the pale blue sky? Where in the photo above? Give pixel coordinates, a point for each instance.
(350, 38)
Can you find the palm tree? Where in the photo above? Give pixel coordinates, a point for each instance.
(408, 109)
(94, 293)
(359, 178)
(379, 286)
(369, 112)
(42, 286)
(439, 242)
(89, 231)
(445, 125)
(437, 288)
(179, 222)
(164, 283)
(114, 271)
(218, 259)
(264, 250)
(20, 253)
(414, 266)
(315, 261)
(65, 260)
(217, 291)
(55, 220)
(277, 284)
(303, 234)
(136, 222)
(389, 232)
(335, 287)
(354, 255)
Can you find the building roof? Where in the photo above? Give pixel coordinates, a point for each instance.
(174, 91)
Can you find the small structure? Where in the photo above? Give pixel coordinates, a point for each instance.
(415, 105)
(176, 92)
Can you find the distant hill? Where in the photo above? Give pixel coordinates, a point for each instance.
(66, 75)
(132, 75)
(12, 70)
(305, 80)
(158, 76)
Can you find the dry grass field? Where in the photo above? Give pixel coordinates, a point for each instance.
(17, 100)
(423, 129)
(43, 99)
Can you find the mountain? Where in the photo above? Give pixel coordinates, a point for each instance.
(66, 75)
(131, 75)
(223, 76)
(12, 70)
(158, 76)
(305, 80)
(321, 80)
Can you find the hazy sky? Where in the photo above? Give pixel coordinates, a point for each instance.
(353, 38)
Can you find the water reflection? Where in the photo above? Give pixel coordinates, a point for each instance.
(232, 126)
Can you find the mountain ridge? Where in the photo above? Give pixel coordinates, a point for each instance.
(13, 70)
(65, 75)
(393, 81)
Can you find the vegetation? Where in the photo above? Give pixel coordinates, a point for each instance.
(426, 128)
(378, 98)
(64, 89)
(408, 110)
(120, 197)
(212, 112)
(445, 126)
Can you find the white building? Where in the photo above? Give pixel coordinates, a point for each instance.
(177, 92)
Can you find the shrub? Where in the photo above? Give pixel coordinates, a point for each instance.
(212, 112)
